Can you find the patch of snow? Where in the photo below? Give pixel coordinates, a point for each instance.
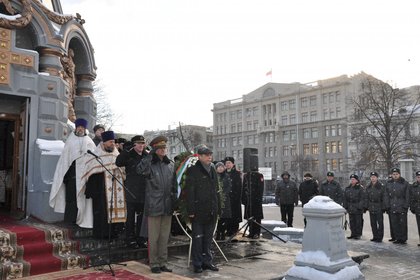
(50, 147)
(347, 273)
(14, 17)
(322, 202)
(317, 258)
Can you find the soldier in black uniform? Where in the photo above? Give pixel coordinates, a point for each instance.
(287, 197)
(354, 204)
(136, 184)
(376, 201)
(252, 194)
(398, 191)
(307, 190)
(415, 200)
(332, 189)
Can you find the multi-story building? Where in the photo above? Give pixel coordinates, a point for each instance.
(295, 127)
(191, 136)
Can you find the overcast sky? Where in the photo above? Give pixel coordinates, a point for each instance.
(167, 61)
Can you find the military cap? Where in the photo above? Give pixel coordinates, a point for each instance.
(107, 135)
(418, 173)
(329, 173)
(231, 159)
(395, 170)
(98, 126)
(374, 174)
(138, 139)
(81, 122)
(354, 176)
(159, 142)
(120, 140)
(204, 150)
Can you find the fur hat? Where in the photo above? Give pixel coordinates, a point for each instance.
(204, 150)
(98, 126)
(285, 173)
(81, 122)
(308, 175)
(107, 135)
(219, 164)
(231, 159)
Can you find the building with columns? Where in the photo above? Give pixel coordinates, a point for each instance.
(296, 127)
(47, 68)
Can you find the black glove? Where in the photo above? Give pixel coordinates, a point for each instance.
(412, 211)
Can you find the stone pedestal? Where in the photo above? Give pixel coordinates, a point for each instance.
(324, 250)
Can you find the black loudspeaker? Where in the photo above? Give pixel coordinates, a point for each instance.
(250, 159)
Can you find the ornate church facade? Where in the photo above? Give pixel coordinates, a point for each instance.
(47, 70)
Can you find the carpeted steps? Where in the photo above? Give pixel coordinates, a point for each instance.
(31, 248)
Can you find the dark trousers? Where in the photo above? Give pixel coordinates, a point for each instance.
(377, 225)
(399, 225)
(70, 211)
(286, 211)
(391, 230)
(418, 224)
(222, 227)
(254, 229)
(232, 226)
(202, 236)
(134, 219)
(356, 224)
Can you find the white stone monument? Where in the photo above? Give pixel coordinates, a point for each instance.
(324, 249)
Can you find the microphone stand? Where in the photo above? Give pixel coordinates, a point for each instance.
(111, 208)
(251, 218)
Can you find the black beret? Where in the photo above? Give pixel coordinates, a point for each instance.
(138, 139)
(354, 176)
(374, 174)
(418, 173)
(395, 170)
(231, 159)
(330, 174)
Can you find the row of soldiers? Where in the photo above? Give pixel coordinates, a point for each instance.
(395, 197)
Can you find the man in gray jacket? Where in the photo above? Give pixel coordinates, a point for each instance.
(160, 194)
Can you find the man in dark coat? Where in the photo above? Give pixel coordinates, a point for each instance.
(376, 201)
(136, 186)
(287, 197)
(98, 130)
(252, 194)
(159, 202)
(415, 200)
(201, 185)
(332, 189)
(354, 204)
(225, 187)
(398, 191)
(307, 190)
(235, 195)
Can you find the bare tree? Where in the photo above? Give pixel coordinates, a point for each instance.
(382, 120)
(188, 136)
(104, 113)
